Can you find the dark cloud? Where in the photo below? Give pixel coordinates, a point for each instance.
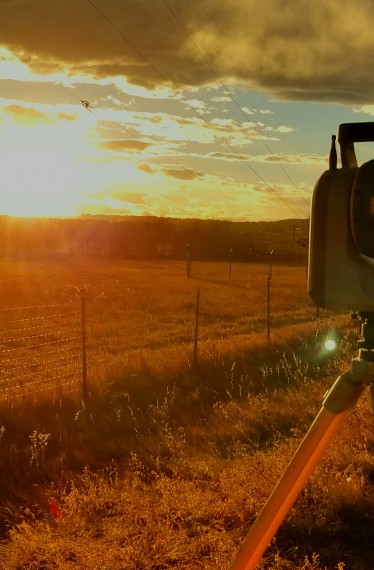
(120, 145)
(296, 158)
(309, 50)
(185, 174)
(229, 156)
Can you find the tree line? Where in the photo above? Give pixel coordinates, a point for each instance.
(149, 237)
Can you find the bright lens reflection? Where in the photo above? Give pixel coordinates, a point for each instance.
(330, 344)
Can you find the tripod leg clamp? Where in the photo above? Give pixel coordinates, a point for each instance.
(344, 393)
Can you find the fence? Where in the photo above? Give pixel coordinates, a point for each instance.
(41, 350)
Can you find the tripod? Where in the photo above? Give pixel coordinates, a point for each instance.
(338, 401)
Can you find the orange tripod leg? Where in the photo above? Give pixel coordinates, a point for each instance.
(340, 400)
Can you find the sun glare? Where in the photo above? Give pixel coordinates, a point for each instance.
(40, 162)
(36, 182)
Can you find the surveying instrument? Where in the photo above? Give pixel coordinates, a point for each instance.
(340, 278)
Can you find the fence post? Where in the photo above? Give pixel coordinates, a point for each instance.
(271, 263)
(230, 261)
(188, 261)
(84, 348)
(196, 327)
(268, 279)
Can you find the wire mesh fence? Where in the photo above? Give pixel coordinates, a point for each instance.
(40, 350)
(134, 316)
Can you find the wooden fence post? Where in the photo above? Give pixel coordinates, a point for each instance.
(84, 348)
(230, 261)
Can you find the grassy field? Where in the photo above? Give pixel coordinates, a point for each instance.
(167, 464)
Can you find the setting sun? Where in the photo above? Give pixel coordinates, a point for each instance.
(41, 156)
(197, 121)
(38, 181)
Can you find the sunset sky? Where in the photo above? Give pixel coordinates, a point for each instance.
(203, 109)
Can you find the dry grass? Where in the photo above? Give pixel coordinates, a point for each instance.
(167, 465)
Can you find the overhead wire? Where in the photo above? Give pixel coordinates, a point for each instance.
(225, 87)
(143, 57)
(86, 104)
(137, 51)
(156, 70)
(193, 109)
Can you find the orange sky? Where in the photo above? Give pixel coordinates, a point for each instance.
(214, 109)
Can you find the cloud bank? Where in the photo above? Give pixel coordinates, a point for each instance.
(308, 50)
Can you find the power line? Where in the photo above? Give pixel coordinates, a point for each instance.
(167, 82)
(225, 87)
(86, 104)
(127, 41)
(143, 57)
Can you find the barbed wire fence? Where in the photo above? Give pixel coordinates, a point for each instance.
(42, 350)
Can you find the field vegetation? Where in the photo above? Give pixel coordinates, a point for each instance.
(168, 461)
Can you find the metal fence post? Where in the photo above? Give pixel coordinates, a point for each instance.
(188, 261)
(196, 327)
(84, 348)
(268, 279)
(271, 263)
